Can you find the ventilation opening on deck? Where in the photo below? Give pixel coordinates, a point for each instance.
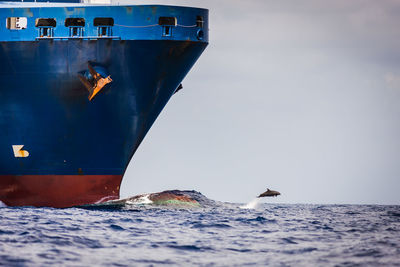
(45, 23)
(75, 26)
(17, 23)
(199, 21)
(75, 22)
(46, 27)
(103, 22)
(104, 26)
(167, 21)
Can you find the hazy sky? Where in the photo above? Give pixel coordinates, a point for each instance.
(299, 96)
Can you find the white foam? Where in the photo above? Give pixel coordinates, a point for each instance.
(105, 199)
(2, 205)
(252, 204)
(144, 199)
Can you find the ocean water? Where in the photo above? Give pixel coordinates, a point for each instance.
(212, 234)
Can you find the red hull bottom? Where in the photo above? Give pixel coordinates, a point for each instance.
(59, 191)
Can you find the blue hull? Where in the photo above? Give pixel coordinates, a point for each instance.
(45, 107)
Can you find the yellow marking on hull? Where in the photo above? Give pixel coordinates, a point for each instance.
(18, 152)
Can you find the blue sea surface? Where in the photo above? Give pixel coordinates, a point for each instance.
(215, 234)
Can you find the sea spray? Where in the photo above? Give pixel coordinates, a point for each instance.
(252, 204)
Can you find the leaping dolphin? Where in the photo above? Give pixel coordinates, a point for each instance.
(269, 193)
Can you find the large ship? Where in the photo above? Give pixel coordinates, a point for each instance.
(80, 86)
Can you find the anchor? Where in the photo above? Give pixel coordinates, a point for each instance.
(93, 81)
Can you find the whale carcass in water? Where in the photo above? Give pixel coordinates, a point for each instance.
(269, 193)
(168, 197)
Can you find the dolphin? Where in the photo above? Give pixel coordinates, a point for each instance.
(269, 193)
